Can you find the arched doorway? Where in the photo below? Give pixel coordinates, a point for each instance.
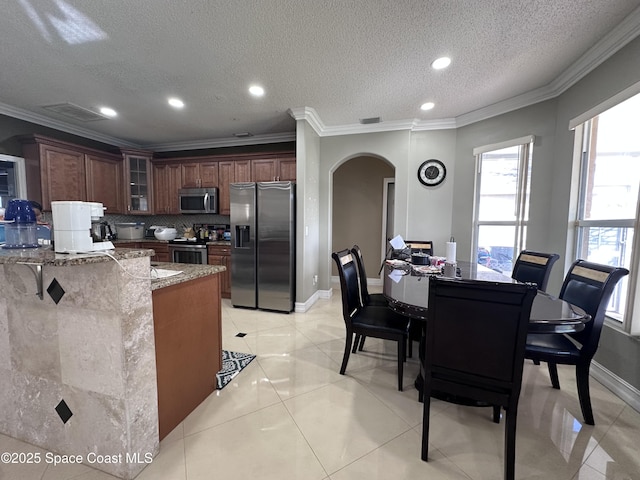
(359, 208)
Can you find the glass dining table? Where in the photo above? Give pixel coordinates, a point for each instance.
(406, 288)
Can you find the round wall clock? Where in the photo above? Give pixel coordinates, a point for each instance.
(432, 172)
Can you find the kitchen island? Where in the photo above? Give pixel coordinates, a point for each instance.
(78, 352)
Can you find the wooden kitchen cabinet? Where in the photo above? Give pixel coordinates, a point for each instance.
(105, 182)
(138, 181)
(161, 249)
(242, 171)
(221, 255)
(226, 171)
(58, 170)
(167, 180)
(200, 175)
(187, 329)
(287, 169)
(273, 169)
(55, 170)
(230, 171)
(264, 170)
(127, 244)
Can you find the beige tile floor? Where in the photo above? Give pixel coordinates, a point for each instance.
(290, 415)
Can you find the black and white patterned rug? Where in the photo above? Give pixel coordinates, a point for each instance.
(232, 364)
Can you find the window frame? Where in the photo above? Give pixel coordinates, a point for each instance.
(522, 199)
(627, 323)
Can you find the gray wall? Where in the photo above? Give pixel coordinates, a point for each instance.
(419, 212)
(308, 237)
(357, 219)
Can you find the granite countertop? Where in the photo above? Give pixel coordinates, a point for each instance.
(46, 256)
(189, 272)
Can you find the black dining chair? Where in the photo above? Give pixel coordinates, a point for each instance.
(366, 297)
(420, 246)
(379, 300)
(475, 340)
(367, 320)
(589, 286)
(534, 267)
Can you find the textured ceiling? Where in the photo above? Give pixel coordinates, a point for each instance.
(346, 59)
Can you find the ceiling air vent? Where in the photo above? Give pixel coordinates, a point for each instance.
(367, 121)
(76, 112)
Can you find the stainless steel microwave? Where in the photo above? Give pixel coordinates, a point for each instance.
(198, 200)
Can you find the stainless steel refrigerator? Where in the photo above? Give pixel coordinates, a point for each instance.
(263, 245)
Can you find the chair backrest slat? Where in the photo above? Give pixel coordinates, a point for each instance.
(348, 274)
(590, 286)
(534, 267)
(362, 274)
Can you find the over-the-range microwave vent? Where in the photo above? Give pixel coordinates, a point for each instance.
(76, 112)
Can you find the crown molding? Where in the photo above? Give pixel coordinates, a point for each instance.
(437, 124)
(222, 142)
(613, 41)
(626, 31)
(38, 119)
(311, 116)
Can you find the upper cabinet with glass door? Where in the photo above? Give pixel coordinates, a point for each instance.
(138, 181)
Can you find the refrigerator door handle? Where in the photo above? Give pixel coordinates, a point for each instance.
(243, 238)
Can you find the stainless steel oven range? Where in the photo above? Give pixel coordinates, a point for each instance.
(187, 252)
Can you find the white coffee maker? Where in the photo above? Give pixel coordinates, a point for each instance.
(72, 226)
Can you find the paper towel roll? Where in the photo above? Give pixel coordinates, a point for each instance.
(451, 252)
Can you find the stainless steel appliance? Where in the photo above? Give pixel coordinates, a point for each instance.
(198, 200)
(263, 245)
(188, 252)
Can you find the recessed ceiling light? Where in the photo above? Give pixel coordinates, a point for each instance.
(109, 112)
(440, 63)
(427, 106)
(256, 90)
(176, 102)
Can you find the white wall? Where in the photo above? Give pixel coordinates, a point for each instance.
(430, 209)
(405, 151)
(307, 214)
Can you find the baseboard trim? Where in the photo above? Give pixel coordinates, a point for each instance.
(624, 390)
(302, 307)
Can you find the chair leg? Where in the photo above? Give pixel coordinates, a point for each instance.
(510, 441)
(426, 407)
(496, 414)
(582, 381)
(536, 362)
(553, 373)
(347, 351)
(361, 346)
(401, 358)
(355, 344)
(409, 347)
